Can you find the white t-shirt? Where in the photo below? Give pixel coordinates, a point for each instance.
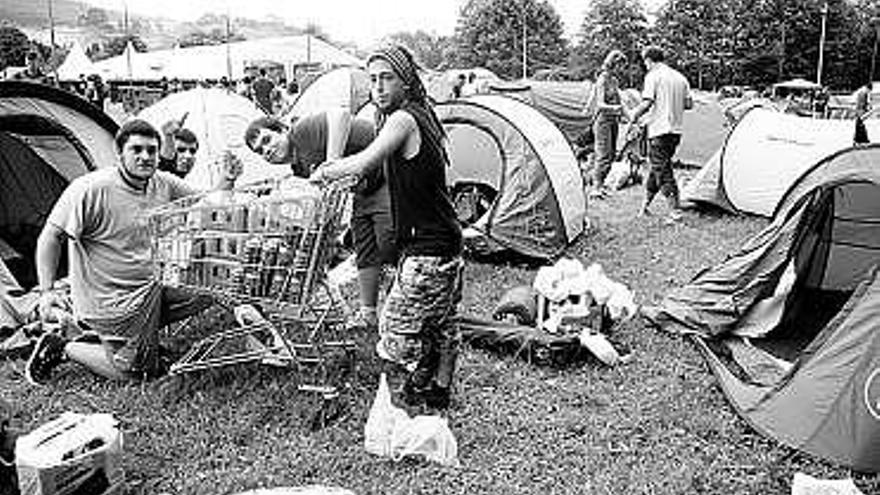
(669, 91)
(109, 240)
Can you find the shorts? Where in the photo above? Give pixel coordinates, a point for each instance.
(420, 308)
(162, 306)
(374, 242)
(660, 178)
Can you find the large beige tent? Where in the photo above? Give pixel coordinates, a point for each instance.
(225, 60)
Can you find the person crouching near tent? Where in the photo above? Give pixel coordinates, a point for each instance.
(665, 97)
(309, 142)
(416, 328)
(102, 218)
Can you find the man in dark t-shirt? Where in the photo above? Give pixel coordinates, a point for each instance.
(307, 143)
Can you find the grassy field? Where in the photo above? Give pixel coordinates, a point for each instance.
(656, 425)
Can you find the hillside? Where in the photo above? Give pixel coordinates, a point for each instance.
(35, 14)
(32, 17)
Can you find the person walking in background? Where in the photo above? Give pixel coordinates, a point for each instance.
(458, 85)
(607, 113)
(417, 328)
(263, 90)
(665, 97)
(470, 87)
(863, 106)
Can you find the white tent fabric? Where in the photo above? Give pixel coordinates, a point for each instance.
(229, 59)
(218, 118)
(344, 87)
(75, 64)
(765, 154)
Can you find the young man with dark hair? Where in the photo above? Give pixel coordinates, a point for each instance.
(101, 218)
(417, 329)
(179, 148)
(665, 97)
(312, 140)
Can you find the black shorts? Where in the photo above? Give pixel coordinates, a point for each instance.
(372, 229)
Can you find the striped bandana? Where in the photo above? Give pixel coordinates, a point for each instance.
(402, 63)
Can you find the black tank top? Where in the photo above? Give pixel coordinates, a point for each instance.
(424, 220)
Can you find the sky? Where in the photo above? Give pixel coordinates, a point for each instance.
(361, 21)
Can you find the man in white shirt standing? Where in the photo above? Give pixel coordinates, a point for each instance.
(665, 97)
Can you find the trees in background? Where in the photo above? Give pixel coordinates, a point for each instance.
(717, 42)
(428, 49)
(714, 42)
(14, 45)
(607, 25)
(491, 33)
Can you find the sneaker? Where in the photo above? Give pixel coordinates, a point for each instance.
(48, 353)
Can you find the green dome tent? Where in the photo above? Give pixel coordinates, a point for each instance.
(790, 323)
(513, 175)
(48, 137)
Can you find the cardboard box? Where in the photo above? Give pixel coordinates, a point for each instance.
(75, 453)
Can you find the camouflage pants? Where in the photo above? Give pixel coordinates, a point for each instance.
(420, 308)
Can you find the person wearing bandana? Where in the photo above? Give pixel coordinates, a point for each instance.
(416, 327)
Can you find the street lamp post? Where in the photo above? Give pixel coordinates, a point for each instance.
(875, 23)
(822, 44)
(524, 44)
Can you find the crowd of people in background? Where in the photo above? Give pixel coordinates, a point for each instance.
(272, 93)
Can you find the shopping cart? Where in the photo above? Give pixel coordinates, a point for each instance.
(262, 251)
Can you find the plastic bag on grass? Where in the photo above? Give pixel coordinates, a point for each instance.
(804, 484)
(390, 432)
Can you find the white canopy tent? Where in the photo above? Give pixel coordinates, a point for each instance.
(75, 64)
(228, 59)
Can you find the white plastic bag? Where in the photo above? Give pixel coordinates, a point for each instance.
(390, 432)
(804, 484)
(428, 436)
(379, 429)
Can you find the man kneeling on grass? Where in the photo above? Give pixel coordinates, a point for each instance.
(102, 218)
